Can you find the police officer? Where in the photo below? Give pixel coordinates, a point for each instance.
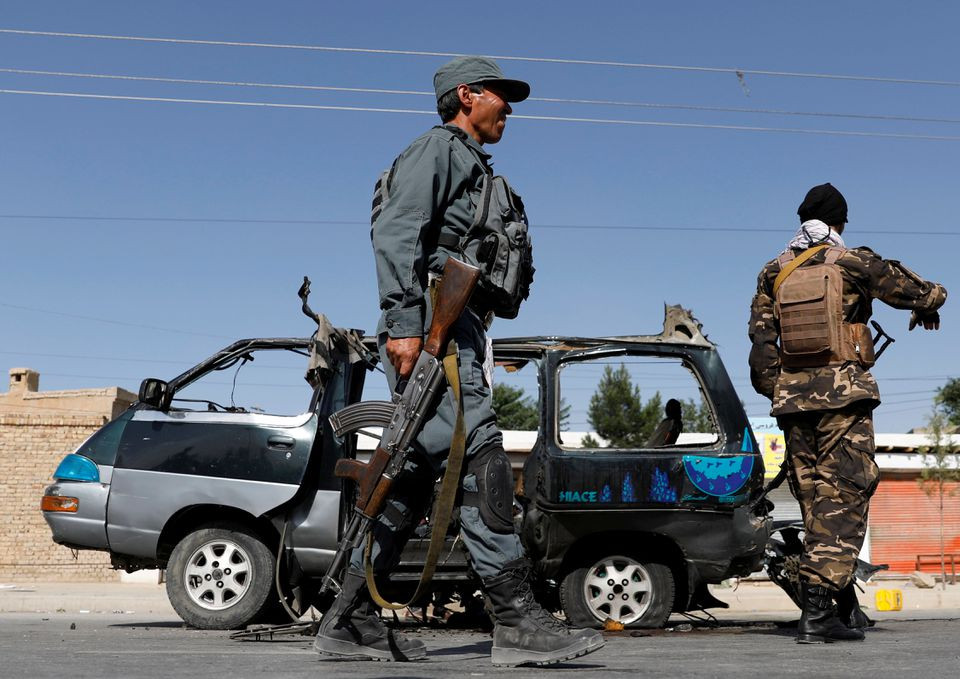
(441, 199)
(823, 396)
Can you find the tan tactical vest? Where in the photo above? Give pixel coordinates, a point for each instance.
(809, 306)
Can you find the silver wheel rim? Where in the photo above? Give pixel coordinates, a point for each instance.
(218, 575)
(618, 588)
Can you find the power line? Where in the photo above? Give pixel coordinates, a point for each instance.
(358, 222)
(739, 72)
(193, 220)
(33, 354)
(230, 83)
(512, 377)
(185, 363)
(112, 322)
(262, 104)
(552, 100)
(562, 119)
(303, 387)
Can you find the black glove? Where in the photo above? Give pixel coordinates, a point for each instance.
(929, 320)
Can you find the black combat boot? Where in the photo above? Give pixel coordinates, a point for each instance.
(819, 622)
(524, 633)
(352, 628)
(848, 608)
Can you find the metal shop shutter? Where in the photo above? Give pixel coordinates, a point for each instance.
(905, 522)
(785, 506)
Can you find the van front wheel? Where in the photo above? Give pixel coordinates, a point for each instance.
(220, 578)
(634, 592)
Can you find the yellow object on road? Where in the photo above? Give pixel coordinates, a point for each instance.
(889, 600)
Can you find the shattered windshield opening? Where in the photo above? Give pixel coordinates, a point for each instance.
(267, 381)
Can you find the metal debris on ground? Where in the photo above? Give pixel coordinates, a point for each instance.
(269, 632)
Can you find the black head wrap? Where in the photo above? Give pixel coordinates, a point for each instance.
(825, 203)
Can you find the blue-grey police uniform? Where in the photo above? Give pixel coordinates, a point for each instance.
(434, 189)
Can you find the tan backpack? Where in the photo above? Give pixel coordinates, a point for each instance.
(809, 306)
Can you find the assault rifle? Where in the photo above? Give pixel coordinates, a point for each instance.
(401, 418)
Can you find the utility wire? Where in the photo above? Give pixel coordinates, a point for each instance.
(112, 322)
(357, 222)
(739, 72)
(514, 376)
(303, 386)
(552, 100)
(184, 363)
(563, 119)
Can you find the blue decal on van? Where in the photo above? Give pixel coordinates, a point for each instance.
(718, 476)
(660, 488)
(626, 492)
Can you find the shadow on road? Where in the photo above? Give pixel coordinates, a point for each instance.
(166, 624)
(481, 648)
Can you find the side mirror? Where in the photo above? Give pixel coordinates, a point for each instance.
(152, 392)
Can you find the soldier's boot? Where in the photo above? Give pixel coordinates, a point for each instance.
(819, 622)
(524, 633)
(848, 608)
(352, 628)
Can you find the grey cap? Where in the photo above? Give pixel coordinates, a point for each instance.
(471, 70)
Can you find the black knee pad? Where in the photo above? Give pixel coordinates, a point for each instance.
(494, 496)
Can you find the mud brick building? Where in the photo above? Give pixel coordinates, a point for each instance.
(37, 428)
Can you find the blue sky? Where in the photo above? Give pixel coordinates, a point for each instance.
(214, 279)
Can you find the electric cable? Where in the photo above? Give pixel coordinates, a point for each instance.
(112, 322)
(739, 72)
(552, 100)
(359, 222)
(562, 119)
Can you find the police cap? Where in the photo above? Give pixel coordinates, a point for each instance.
(477, 70)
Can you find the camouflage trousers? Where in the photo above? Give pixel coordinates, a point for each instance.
(832, 475)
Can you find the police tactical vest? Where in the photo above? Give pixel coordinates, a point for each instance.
(809, 306)
(497, 241)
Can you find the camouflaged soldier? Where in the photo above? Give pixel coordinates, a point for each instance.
(440, 199)
(811, 354)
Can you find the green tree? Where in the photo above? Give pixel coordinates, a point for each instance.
(617, 411)
(941, 469)
(697, 417)
(948, 398)
(514, 409)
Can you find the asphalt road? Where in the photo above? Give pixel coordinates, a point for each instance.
(123, 645)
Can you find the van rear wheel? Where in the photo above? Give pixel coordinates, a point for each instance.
(221, 578)
(634, 592)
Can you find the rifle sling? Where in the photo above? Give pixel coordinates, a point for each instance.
(794, 263)
(443, 506)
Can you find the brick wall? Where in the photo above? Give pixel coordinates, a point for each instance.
(31, 446)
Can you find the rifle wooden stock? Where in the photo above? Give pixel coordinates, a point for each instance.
(453, 293)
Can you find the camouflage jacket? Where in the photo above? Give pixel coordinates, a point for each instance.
(866, 276)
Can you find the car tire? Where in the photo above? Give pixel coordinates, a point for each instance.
(632, 591)
(221, 577)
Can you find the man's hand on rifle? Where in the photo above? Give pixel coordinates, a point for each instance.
(929, 321)
(403, 353)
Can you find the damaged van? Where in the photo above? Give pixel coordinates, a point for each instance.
(223, 476)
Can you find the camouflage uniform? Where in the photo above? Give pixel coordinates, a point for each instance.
(825, 412)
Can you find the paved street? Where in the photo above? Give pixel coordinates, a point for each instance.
(134, 645)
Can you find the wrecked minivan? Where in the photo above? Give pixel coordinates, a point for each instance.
(235, 496)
